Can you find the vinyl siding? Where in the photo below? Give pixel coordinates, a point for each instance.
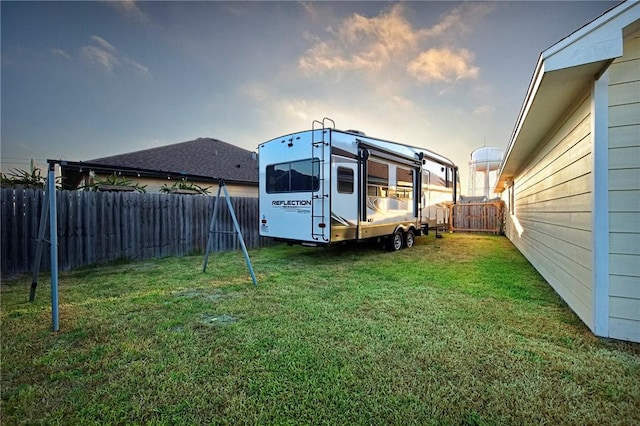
(624, 193)
(552, 221)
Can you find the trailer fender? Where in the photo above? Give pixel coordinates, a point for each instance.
(401, 228)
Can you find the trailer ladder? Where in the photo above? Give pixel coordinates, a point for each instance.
(320, 199)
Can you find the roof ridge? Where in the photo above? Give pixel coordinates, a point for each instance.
(200, 156)
(168, 146)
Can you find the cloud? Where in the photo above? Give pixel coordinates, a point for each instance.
(102, 53)
(299, 109)
(96, 55)
(388, 42)
(130, 9)
(310, 9)
(255, 91)
(458, 22)
(444, 65)
(104, 44)
(361, 43)
(484, 110)
(60, 52)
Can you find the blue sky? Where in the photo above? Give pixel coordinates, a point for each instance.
(82, 80)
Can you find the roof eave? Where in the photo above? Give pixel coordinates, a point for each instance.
(562, 72)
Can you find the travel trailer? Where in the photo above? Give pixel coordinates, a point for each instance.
(323, 186)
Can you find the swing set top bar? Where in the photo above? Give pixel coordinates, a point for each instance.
(72, 170)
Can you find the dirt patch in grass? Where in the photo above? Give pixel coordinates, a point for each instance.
(212, 295)
(218, 319)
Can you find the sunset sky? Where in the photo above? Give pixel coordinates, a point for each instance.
(82, 80)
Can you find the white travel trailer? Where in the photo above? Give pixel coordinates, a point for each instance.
(324, 186)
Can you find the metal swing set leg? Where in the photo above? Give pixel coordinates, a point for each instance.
(48, 210)
(212, 230)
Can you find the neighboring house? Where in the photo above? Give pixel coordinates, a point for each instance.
(571, 175)
(201, 162)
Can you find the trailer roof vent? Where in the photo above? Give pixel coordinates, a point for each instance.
(357, 132)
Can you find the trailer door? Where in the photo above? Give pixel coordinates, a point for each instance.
(344, 200)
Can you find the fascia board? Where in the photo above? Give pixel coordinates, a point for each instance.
(599, 40)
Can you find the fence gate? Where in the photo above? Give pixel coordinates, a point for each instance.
(477, 217)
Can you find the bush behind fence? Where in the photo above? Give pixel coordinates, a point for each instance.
(101, 227)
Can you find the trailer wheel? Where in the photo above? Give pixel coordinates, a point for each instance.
(409, 239)
(395, 241)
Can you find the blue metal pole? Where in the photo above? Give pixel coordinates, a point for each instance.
(240, 237)
(53, 231)
(212, 227)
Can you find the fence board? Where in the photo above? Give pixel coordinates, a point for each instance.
(63, 236)
(157, 225)
(12, 232)
(100, 227)
(34, 206)
(23, 257)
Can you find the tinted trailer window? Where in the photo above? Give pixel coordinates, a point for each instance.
(294, 176)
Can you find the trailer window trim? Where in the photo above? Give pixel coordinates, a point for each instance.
(279, 176)
(345, 180)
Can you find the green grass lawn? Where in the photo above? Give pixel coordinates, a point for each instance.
(459, 330)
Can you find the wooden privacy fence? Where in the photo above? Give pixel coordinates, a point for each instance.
(477, 217)
(100, 227)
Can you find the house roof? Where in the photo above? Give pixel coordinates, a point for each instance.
(564, 71)
(199, 159)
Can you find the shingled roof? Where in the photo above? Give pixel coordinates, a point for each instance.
(201, 157)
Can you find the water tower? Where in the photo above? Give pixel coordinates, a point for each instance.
(483, 170)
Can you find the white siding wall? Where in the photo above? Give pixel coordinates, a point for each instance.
(552, 221)
(624, 193)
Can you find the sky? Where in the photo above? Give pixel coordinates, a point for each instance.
(83, 80)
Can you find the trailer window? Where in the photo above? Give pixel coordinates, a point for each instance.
(404, 183)
(295, 176)
(377, 179)
(345, 180)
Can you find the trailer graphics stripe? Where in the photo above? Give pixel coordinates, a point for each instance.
(340, 220)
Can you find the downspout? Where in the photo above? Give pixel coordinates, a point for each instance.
(600, 206)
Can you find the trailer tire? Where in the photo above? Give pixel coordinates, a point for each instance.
(409, 238)
(395, 241)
